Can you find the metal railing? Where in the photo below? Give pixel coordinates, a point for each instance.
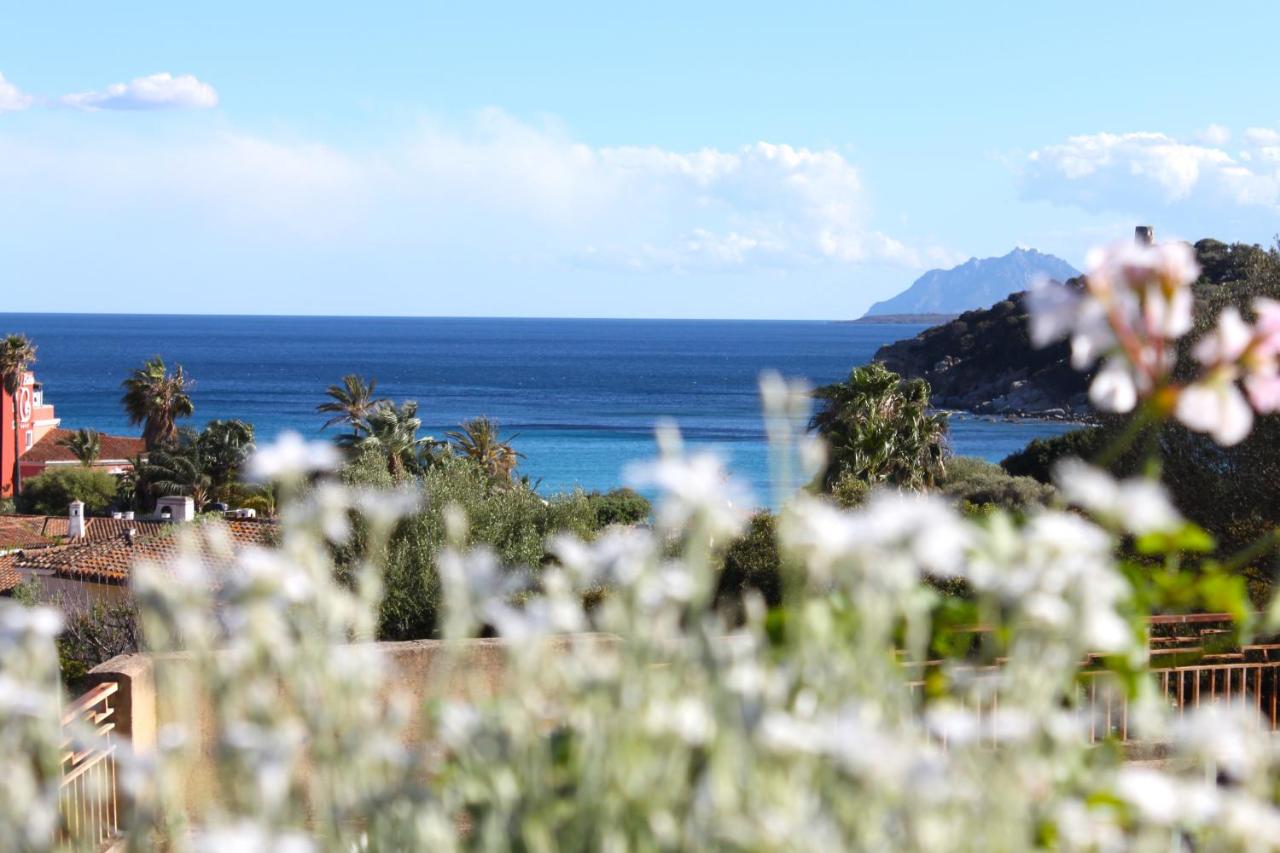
(89, 799)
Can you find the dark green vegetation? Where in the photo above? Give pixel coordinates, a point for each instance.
(1233, 492)
(157, 399)
(880, 431)
(510, 519)
(51, 492)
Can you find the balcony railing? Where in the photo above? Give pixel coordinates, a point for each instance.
(89, 799)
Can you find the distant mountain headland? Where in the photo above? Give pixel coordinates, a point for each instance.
(977, 283)
(983, 361)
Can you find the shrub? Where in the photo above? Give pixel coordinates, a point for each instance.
(620, 506)
(52, 492)
(1037, 459)
(979, 483)
(508, 518)
(752, 562)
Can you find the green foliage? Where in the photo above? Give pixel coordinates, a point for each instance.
(752, 563)
(85, 445)
(8, 506)
(849, 491)
(392, 430)
(510, 519)
(224, 445)
(157, 399)
(879, 429)
(351, 403)
(978, 483)
(620, 506)
(51, 492)
(480, 440)
(1037, 459)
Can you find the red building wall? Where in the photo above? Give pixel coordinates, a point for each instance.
(25, 428)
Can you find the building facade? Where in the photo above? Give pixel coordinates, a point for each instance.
(35, 421)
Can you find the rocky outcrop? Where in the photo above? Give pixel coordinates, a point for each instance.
(983, 362)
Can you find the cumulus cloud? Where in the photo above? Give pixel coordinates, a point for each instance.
(154, 92)
(496, 183)
(12, 98)
(1147, 170)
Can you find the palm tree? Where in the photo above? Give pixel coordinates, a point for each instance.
(479, 440)
(351, 403)
(178, 471)
(157, 399)
(224, 447)
(879, 429)
(17, 354)
(393, 430)
(85, 444)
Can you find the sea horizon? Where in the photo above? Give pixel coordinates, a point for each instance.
(579, 400)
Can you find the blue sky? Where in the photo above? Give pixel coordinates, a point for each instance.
(659, 160)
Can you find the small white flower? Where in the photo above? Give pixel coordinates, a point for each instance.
(1113, 389)
(1227, 342)
(1138, 505)
(291, 457)
(694, 486)
(1217, 407)
(1052, 309)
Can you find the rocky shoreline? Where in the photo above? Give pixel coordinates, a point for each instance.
(983, 363)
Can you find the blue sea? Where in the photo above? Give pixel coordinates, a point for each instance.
(580, 397)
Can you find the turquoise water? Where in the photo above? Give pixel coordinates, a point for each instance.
(582, 396)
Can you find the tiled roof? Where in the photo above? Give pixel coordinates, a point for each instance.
(48, 449)
(96, 528)
(42, 531)
(215, 543)
(22, 531)
(9, 577)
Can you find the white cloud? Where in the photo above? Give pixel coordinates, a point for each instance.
(1147, 171)
(493, 185)
(154, 92)
(1214, 134)
(12, 98)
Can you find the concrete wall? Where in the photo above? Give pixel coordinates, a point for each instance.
(420, 670)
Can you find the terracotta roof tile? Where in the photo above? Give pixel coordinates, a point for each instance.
(9, 577)
(48, 449)
(101, 527)
(22, 531)
(111, 560)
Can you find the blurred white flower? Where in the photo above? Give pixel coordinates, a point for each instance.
(1217, 407)
(1052, 309)
(250, 837)
(695, 486)
(291, 457)
(1137, 505)
(1114, 388)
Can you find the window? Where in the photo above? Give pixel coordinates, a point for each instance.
(30, 438)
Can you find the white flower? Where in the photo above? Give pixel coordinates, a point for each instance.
(1138, 505)
(1052, 309)
(1227, 342)
(1113, 388)
(1217, 407)
(694, 486)
(291, 457)
(1224, 736)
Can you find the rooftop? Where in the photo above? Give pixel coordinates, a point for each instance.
(111, 559)
(113, 447)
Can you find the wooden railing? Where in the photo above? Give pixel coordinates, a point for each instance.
(89, 800)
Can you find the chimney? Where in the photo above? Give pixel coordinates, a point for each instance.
(177, 508)
(130, 535)
(75, 520)
(1144, 235)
